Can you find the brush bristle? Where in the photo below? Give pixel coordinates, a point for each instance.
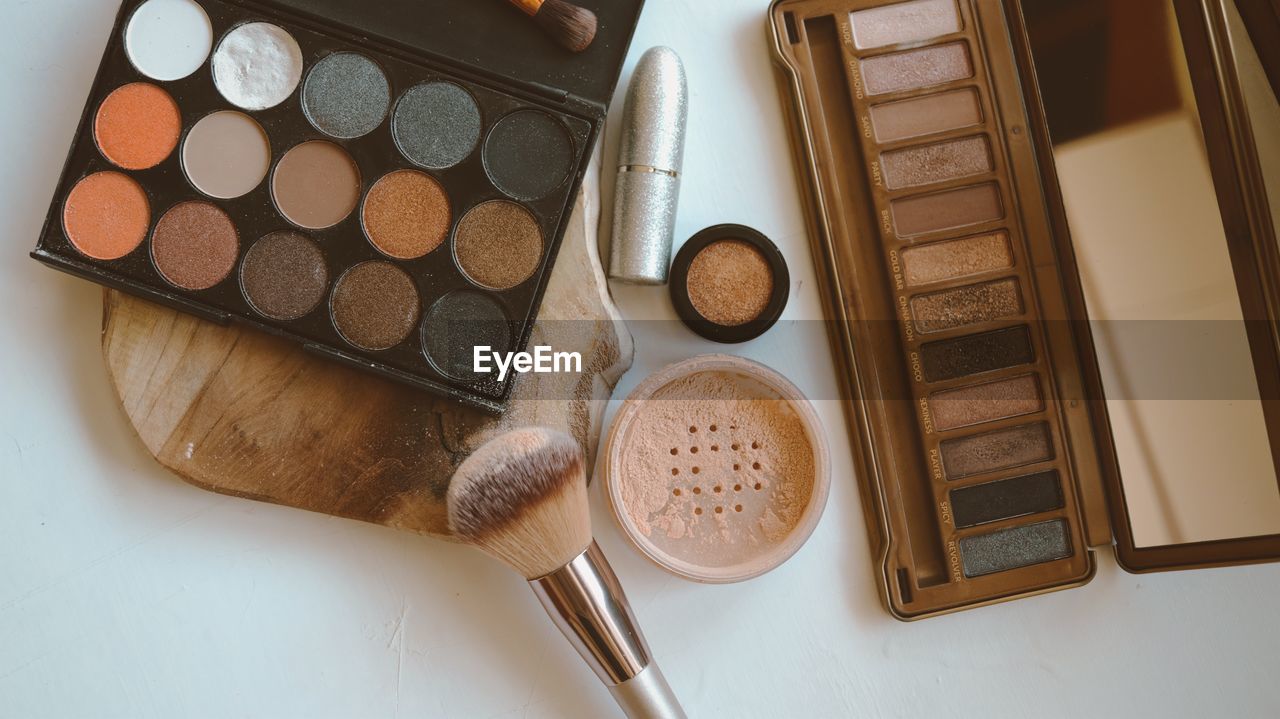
(522, 497)
(572, 26)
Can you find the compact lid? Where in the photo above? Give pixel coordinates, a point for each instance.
(494, 37)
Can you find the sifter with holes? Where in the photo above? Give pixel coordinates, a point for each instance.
(717, 468)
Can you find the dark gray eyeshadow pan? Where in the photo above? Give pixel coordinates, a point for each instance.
(528, 154)
(1006, 499)
(346, 95)
(436, 125)
(458, 323)
(975, 354)
(1015, 547)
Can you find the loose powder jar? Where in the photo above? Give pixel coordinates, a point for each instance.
(729, 283)
(717, 469)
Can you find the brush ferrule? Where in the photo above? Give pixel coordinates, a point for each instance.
(531, 7)
(586, 601)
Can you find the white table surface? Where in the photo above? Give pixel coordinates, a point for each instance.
(126, 593)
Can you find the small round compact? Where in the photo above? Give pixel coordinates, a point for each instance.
(729, 283)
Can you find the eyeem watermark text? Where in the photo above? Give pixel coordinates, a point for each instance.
(542, 360)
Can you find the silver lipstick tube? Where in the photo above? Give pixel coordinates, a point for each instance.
(586, 602)
(650, 159)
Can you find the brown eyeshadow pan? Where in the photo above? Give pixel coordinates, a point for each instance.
(195, 245)
(498, 244)
(927, 115)
(284, 275)
(375, 305)
(947, 210)
(994, 451)
(938, 162)
(316, 185)
(967, 305)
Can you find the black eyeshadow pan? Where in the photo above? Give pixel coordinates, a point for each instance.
(976, 354)
(1006, 499)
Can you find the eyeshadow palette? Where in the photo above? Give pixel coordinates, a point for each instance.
(989, 469)
(318, 171)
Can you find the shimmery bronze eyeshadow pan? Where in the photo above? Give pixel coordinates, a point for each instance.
(955, 259)
(194, 245)
(729, 283)
(967, 305)
(498, 244)
(284, 275)
(407, 214)
(375, 305)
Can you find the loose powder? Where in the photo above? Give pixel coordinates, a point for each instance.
(730, 283)
(716, 469)
(257, 66)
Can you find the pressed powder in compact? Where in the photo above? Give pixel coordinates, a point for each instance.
(717, 468)
(316, 185)
(257, 66)
(226, 154)
(729, 283)
(195, 245)
(137, 126)
(498, 244)
(346, 95)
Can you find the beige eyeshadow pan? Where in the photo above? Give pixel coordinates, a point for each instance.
(904, 22)
(949, 210)
(916, 69)
(938, 162)
(987, 402)
(956, 259)
(926, 115)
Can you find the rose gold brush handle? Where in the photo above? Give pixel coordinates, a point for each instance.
(585, 599)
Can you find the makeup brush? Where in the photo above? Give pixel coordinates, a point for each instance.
(572, 26)
(522, 498)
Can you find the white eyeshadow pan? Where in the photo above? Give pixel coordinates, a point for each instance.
(168, 39)
(257, 66)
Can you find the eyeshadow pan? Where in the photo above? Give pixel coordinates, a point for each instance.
(904, 22)
(955, 259)
(407, 214)
(916, 69)
(374, 305)
(948, 210)
(993, 451)
(106, 215)
(1006, 499)
(498, 244)
(939, 162)
(346, 95)
(257, 66)
(458, 323)
(137, 126)
(976, 354)
(436, 125)
(316, 185)
(528, 154)
(967, 305)
(226, 155)
(987, 402)
(1014, 548)
(168, 39)
(195, 245)
(284, 275)
(926, 115)
(730, 283)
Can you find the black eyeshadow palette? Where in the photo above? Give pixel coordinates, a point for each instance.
(331, 173)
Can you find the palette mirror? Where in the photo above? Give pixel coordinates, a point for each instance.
(1177, 260)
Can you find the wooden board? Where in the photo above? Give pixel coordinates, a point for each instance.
(239, 412)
